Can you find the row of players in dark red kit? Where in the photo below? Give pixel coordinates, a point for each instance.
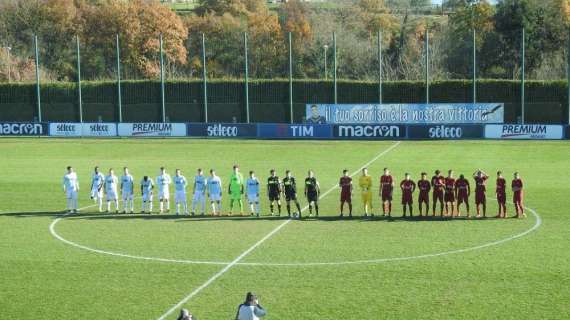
(450, 192)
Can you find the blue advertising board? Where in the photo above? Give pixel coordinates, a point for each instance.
(369, 131)
(567, 132)
(222, 130)
(23, 129)
(293, 131)
(446, 131)
(433, 113)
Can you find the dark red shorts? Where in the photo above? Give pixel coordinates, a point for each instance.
(423, 197)
(480, 198)
(449, 197)
(438, 195)
(407, 199)
(462, 197)
(501, 198)
(345, 197)
(518, 196)
(386, 195)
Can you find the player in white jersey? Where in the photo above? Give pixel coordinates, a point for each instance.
(214, 185)
(71, 188)
(199, 192)
(252, 190)
(180, 184)
(163, 181)
(146, 191)
(97, 182)
(111, 182)
(127, 191)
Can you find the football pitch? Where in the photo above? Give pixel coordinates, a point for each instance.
(98, 266)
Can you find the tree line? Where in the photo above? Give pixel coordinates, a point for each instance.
(139, 23)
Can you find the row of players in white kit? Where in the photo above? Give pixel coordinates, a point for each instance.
(110, 184)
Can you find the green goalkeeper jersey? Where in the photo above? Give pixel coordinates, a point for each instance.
(236, 185)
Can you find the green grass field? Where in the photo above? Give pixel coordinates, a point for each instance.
(310, 269)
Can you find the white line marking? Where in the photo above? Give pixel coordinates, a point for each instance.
(245, 253)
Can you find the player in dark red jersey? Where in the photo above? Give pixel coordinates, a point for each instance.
(449, 196)
(425, 187)
(386, 190)
(462, 193)
(408, 187)
(517, 187)
(438, 184)
(480, 189)
(345, 185)
(501, 193)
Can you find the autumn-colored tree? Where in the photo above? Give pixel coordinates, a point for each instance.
(139, 24)
(294, 16)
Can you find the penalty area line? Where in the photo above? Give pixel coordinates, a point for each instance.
(258, 243)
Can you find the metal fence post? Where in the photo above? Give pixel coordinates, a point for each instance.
(380, 67)
(38, 98)
(334, 67)
(162, 98)
(427, 65)
(79, 99)
(474, 67)
(246, 78)
(291, 77)
(204, 79)
(119, 98)
(568, 76)
(522, 75)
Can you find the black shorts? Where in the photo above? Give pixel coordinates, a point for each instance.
(274, 196)
(312, 197)
(290, 196)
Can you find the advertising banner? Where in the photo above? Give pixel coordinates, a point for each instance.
(567, 132)
(433, 113)
(23, 129)
(370, 131)
(290, 131)
(99, 130)
(152, 129)
(65, 129)
(222, 130)
(524, 131)
(446, 131)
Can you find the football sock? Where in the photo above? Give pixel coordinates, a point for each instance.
(161, 206)
(298, 207)
(317, 209)
(257, 208)
(279, 208)
(289, 209)
(108, 205)
(185, 207)
(271, 208)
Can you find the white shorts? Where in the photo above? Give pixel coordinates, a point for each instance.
(180, 196)
(71, 194)
(163, 194)
(112, 195)
(147, 197)
(127, 195)
(199, 196)
(215, 197)
(252, 198)
(96, 193)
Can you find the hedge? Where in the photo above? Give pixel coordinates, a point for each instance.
(546, 101)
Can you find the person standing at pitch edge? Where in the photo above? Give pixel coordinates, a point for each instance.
(252, 189)
(235, 190)
(71, 188)
(199, 191)
(250, 309)
(97, 182)
(163, 181)
(274, 192)
(180, 184)
(290, 189)
(146, 191)
(345, 184)
(127, 190)
(312, 192)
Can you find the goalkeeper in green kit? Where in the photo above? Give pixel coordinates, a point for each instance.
(235, 189)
